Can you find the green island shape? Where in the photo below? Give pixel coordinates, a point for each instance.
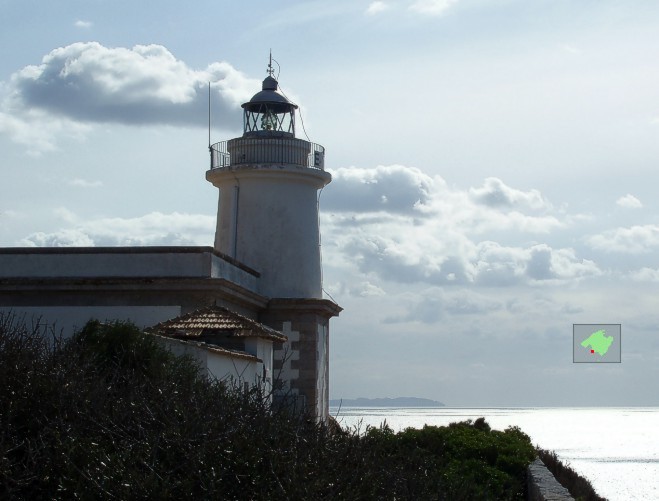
(599, 342)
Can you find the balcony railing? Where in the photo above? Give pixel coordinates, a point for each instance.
(285, 151)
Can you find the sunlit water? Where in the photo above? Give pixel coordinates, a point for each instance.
(616, 449)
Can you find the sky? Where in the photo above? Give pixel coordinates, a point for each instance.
(494, 162)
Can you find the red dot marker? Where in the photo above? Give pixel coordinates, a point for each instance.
(592, 351)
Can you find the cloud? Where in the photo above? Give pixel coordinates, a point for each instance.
(645, 275)
(432, 7)
(38, 129)
(494, 193)
(435, 304)
(498, 265)
(66, 215)
(407, 191)
(391, 188)
(83, 24)
(634, 240)
(362, 289)
(88, 83)
(154, 228)
(402, 190)
(62, 238)
(432, 260)
(377, 7)
(629, 202)
(82, 183)
(400, 225)
(545, 263)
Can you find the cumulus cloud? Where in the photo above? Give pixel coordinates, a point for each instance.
(87, 83)
(83, 24)
(494, 193)
(151, 229)
(391, 188)
(368, 193)
(629, 202)
(431, 260)
(399, 224)
(432, 7)
(634, 240)
(398, 260)
(500, 265)
(62, 238)
(545, 263)
(402, 190)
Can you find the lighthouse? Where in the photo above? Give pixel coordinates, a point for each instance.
(269, 181)
(264, 269)
(267, 219)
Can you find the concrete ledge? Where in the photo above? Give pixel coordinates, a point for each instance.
(542, 486)
(118, 261)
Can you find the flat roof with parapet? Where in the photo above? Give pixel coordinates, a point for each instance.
(90, 269)
(11, 259)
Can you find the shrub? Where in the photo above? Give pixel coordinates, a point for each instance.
(111, 414)
(474, 461)
(580, 488)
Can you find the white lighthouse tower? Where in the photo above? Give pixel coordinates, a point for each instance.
(267, 219)
(268, 209)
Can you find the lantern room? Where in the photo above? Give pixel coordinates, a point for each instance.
(269, 112)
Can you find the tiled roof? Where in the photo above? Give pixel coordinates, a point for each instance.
(215, 320)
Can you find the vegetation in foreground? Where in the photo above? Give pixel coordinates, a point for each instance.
(110, 414)
(579, 487)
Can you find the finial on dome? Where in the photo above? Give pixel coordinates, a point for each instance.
(271, 70)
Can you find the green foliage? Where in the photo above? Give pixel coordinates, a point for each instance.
(110, 414)
(468, 460)
(119, 349)
(580, 488)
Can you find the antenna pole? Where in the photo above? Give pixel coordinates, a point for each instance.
(210, 151)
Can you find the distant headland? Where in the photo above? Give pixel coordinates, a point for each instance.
(386, 402)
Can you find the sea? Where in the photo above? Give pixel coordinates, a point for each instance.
(616, 449)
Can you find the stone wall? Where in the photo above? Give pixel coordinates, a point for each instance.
(542, 486)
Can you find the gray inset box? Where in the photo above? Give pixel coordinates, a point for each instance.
(597, 343)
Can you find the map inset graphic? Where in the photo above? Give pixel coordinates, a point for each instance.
(596, 343)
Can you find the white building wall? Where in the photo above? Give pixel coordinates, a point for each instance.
(69, 319)
(180, 349)
(234, 370)
(262, 349)
(216, 365)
